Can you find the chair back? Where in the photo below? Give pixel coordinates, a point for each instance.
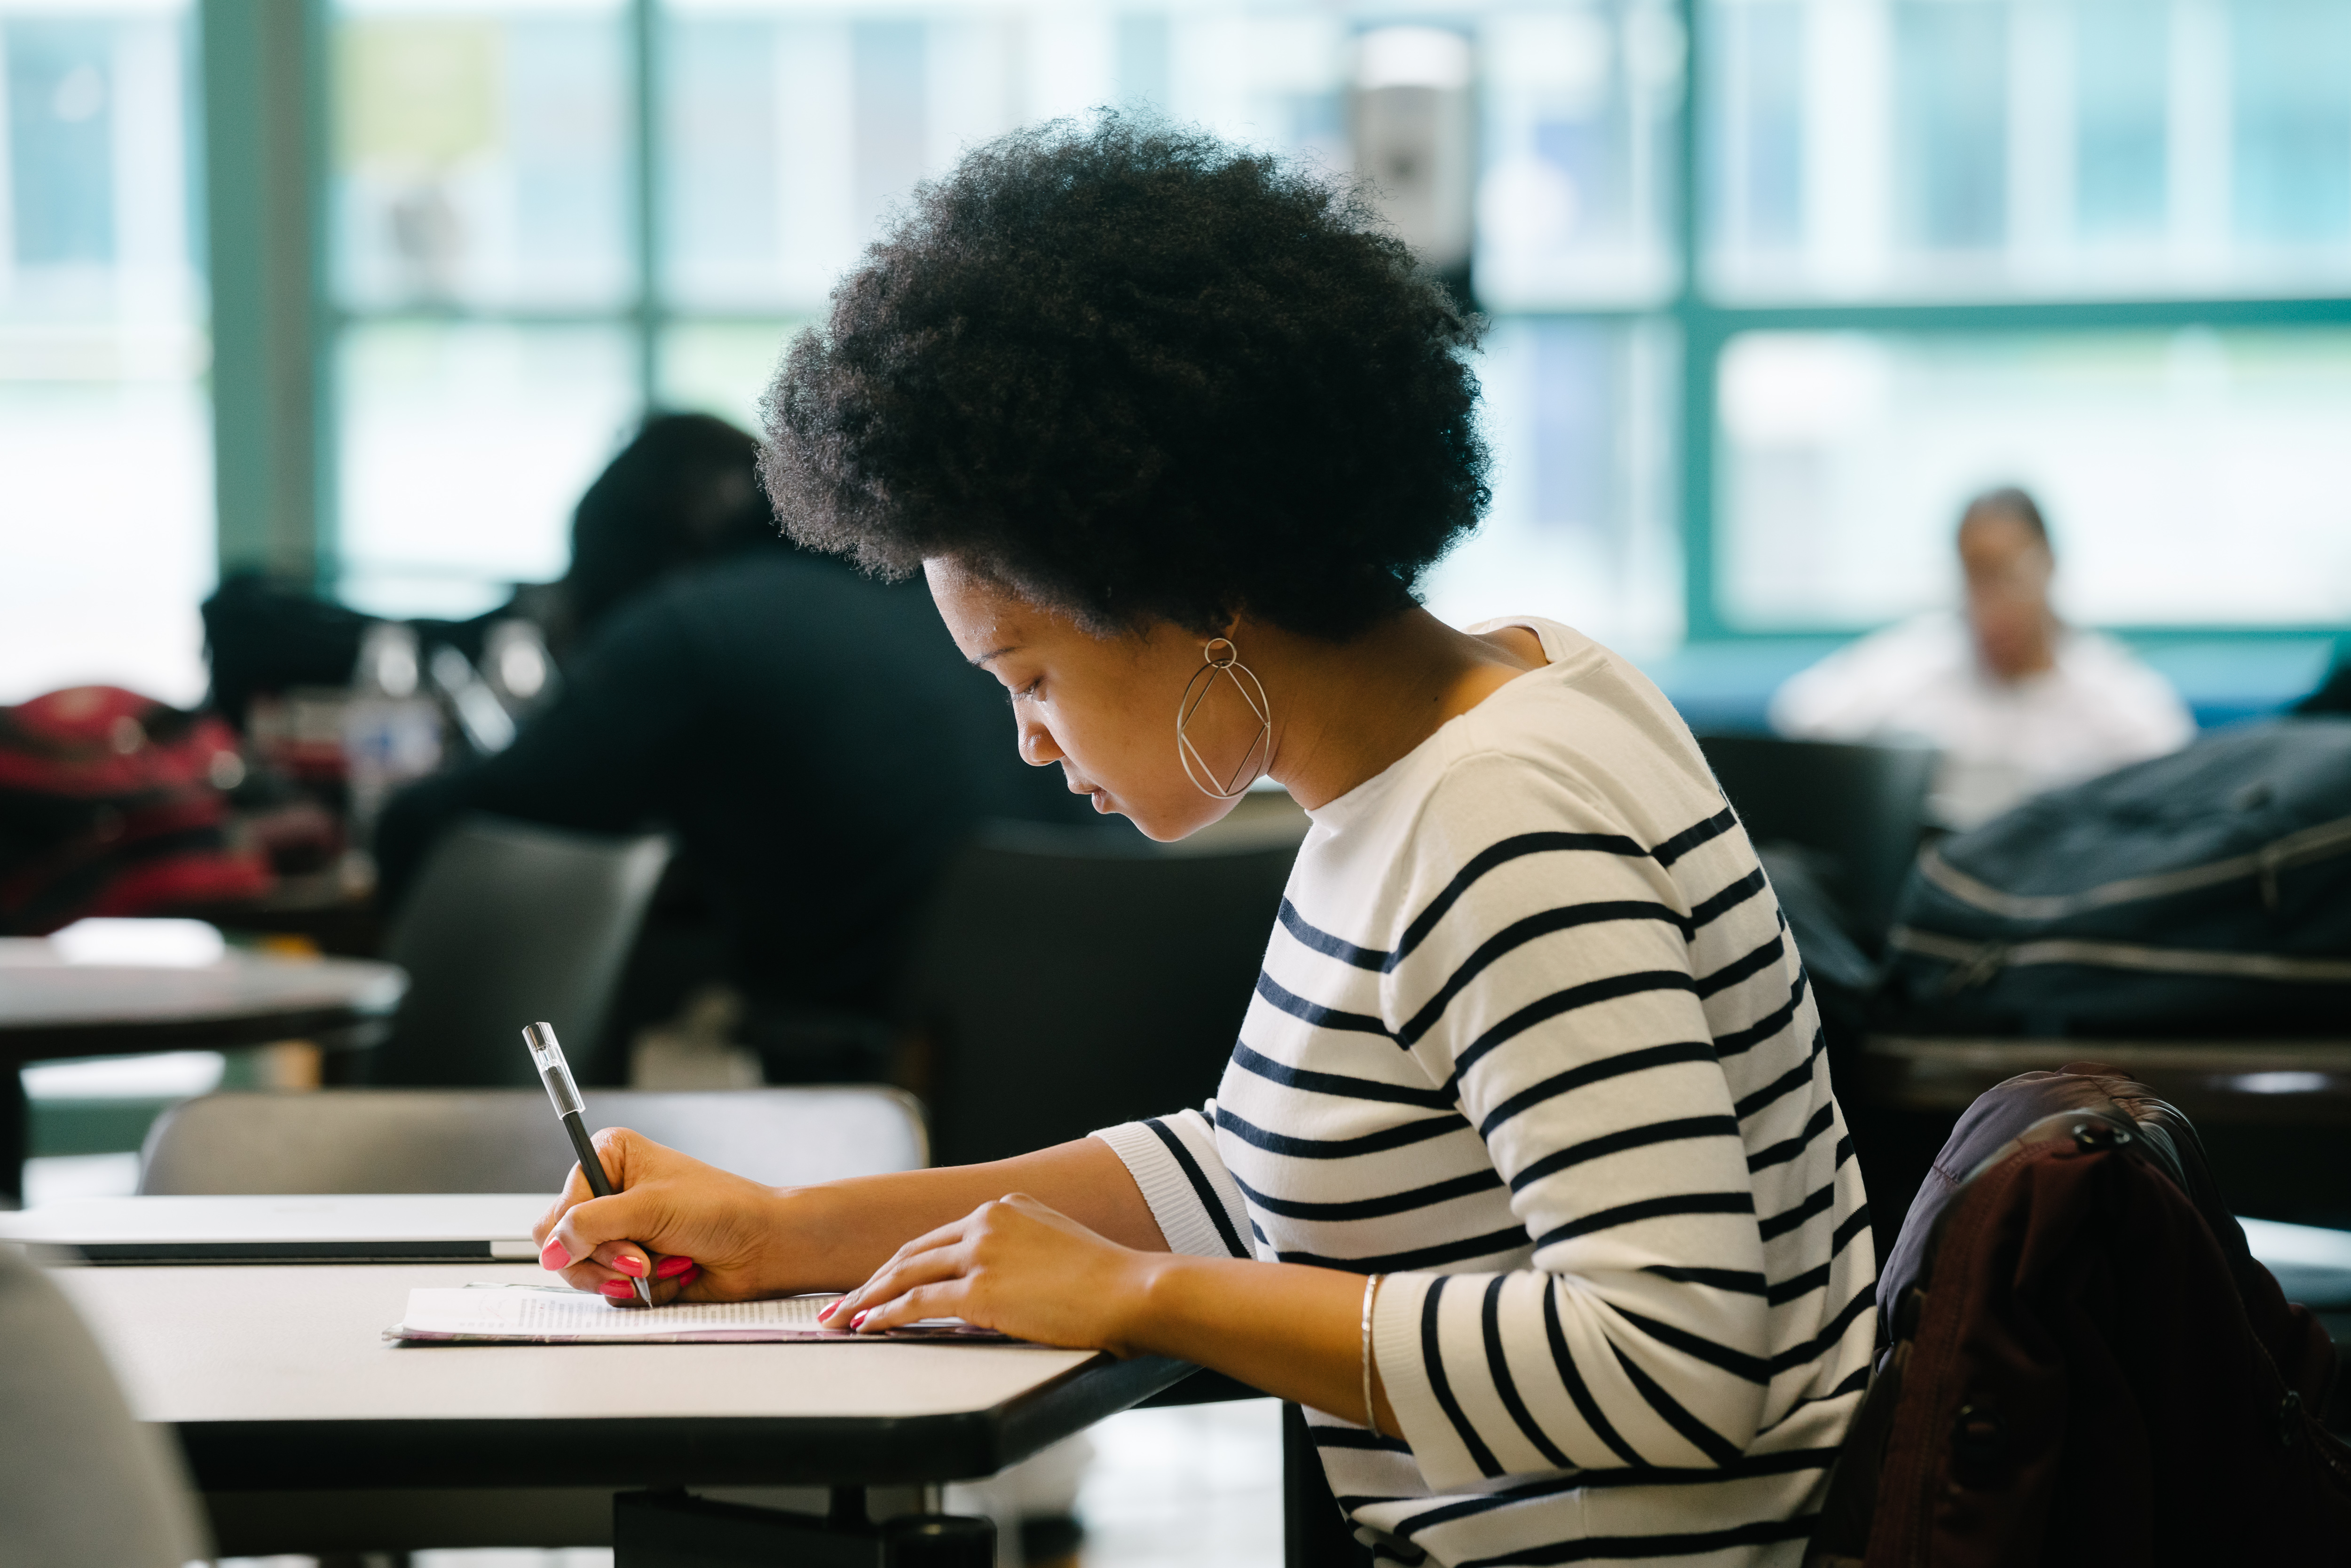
(1058, 983)
(511, 923)
(82, 1481)
(1857, 809)
(432, 1140)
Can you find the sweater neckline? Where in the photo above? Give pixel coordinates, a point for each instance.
(1365, 797)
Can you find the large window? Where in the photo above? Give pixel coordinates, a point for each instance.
(550, 216)
(2100, 247)
(106, 540)
(1754, 346)
(2199, 476)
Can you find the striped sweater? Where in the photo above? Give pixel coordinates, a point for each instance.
(1532, 1040)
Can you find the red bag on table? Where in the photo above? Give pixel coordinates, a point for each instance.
(114, 803)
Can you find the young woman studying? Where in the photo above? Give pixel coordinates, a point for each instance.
(1525, 1177)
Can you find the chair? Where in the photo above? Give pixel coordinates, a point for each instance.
(1058, 983)
(81, 1480)
(510, 924)
(426, 1140)
(1859, 810)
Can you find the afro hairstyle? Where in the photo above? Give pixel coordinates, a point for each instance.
(1136, 375)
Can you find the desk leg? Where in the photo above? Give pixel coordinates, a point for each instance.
(672, 1530)
(15, 1134)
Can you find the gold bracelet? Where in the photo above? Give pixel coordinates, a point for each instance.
(1371, 1411)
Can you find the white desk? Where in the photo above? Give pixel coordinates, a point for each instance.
(276, 1377)
(307, 1430)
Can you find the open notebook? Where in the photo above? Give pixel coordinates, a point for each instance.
(544, 1314)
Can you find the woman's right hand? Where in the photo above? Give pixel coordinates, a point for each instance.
(715, 1236)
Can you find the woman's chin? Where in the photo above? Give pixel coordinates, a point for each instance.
(1166, 824)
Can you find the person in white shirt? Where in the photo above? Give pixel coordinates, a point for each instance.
(2016, 700)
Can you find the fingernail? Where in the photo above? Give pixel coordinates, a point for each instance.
(859, 1320)
(629, 1263)
(830, 1308)
(671, 1268)
(619, 1290)
(554, 1256)
(693, 1273)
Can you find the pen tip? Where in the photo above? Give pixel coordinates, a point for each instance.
(646, 1292)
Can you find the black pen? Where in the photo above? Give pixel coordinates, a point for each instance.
(556, 1073)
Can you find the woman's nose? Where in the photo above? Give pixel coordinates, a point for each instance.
(1036, 748)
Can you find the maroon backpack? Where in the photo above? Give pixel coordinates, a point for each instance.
(112, 803)
(2085, 1364)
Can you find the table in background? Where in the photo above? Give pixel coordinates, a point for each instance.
(51, 1010)
(307, 1431)
(2296, 1081)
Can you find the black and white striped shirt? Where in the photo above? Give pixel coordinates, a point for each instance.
(1531, 1039)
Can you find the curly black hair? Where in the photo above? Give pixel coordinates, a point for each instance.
(1137, 374)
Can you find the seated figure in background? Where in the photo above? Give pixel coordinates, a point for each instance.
(682, 492)
(810, 735)
(2017, 701)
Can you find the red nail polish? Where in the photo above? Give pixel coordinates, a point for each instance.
(671, 1268)
(693, 1273)
(859, 1320)
(619, 1290)
(629, 1263)
(553, 1255)
(830, 1308)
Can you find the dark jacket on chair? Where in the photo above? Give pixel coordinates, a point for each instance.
(2086, 1364)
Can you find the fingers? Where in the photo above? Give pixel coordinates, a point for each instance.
(948, 1254)
(896, 1278)
(672, 1287)
(588, 1224)
(877, 1287)
(625, 1258)
(944, 1299)
(601, 1235)
(672, 1277)
(620, 1148)
(617, 1149)
(576, 1191)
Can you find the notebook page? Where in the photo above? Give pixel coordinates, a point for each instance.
(539, 1315)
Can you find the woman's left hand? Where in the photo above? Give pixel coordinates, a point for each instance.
(1016, 1266)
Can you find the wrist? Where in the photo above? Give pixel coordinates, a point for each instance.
(1150, 1316)
(803, 1229)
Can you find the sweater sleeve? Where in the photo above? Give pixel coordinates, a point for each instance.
(1553, 975)
(1192, 1196)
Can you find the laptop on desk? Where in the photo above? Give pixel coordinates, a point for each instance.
(338, 1228)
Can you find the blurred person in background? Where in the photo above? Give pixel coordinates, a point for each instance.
(811, 737)
(684, 491)
(2016, 700)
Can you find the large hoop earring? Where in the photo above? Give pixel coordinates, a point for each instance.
(1228, 664)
